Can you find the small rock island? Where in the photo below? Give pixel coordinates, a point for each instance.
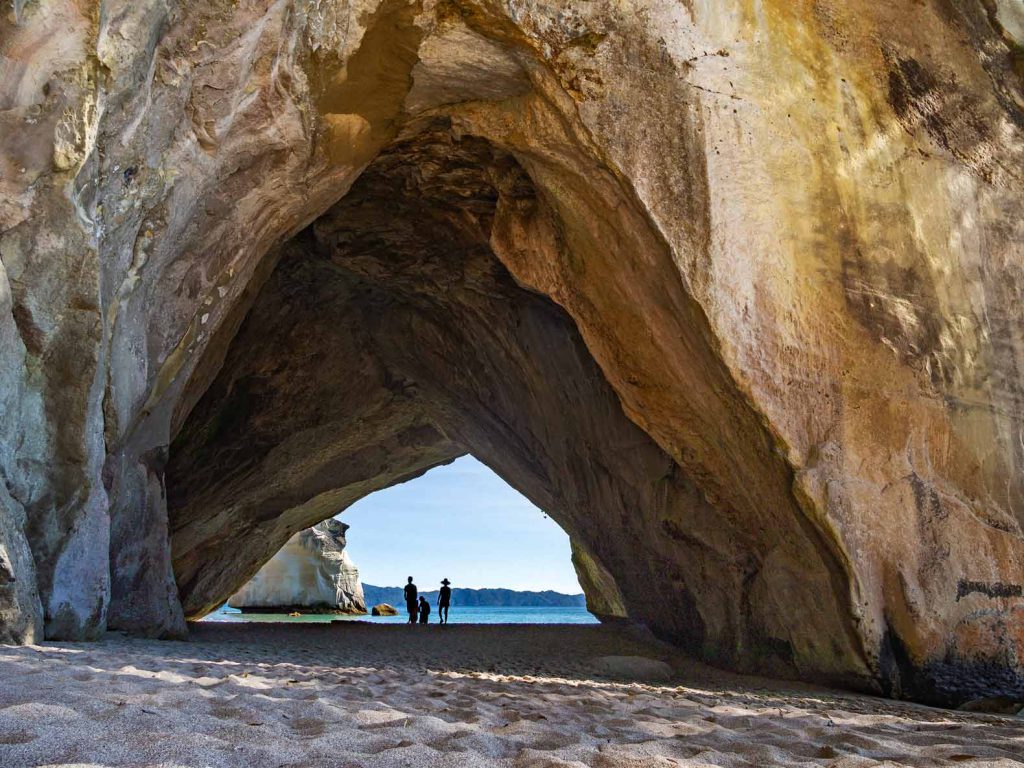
(311, 573)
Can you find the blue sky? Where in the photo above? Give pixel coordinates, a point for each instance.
(463, 522)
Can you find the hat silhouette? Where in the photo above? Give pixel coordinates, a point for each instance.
(445, 582)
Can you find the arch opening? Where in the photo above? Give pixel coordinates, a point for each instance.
(462, 522)
(506, 561)
(390, 337)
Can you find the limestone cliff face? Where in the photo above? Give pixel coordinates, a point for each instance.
(311, 572)
(731, 290)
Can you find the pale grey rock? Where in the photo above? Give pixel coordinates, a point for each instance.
(21, 614)
(456, 64)
(1010, 14)
(312, 571)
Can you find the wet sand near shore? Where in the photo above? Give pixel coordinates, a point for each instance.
(352, 695)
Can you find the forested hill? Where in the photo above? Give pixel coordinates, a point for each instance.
(489, 597)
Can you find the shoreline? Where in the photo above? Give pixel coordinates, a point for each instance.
(288, 610)
(484, 615)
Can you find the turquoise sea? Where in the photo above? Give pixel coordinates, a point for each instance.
(465, 615)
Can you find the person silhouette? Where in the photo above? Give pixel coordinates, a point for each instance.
(410, 600)
(424, 610)
(444, 599)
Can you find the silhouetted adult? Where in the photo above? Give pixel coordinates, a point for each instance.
(424, 610)
(410, 600)
(444, 599)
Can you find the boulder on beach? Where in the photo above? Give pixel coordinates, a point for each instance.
(311, 573)
(384, 609)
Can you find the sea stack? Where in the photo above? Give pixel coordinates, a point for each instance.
(312, 573)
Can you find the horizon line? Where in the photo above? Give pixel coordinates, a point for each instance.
(507, 589)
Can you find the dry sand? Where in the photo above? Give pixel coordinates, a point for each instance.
(355, 695)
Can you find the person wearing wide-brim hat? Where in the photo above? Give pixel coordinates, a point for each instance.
(444, 599)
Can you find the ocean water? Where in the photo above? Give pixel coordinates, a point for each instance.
(457, 615)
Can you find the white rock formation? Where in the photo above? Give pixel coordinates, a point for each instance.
(312, 571)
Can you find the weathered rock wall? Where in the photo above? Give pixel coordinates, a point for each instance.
(312, 571)
(52, 376)
(788, 234)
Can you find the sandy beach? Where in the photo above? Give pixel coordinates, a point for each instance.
(357, 695)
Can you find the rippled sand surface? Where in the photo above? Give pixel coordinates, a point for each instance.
(354, 695)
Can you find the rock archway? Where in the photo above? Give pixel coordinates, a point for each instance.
(390, 338)
(730, 292)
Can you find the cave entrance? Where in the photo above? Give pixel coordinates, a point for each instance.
(389, 339)
(413, 323)
(459, 521)
(462, 522)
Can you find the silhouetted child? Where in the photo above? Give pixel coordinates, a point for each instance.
(424, 610)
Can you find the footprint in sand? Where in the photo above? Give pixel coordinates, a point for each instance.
(17, 737)
(378, 745)
(528, 736)
(450, 742)
(459, 715)
(224, 712)
(308, 726)
(551, 742)
(528, 758)
(399, 745)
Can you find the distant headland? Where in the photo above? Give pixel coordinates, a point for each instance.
(480, 597)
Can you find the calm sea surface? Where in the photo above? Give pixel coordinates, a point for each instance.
(466, 615)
